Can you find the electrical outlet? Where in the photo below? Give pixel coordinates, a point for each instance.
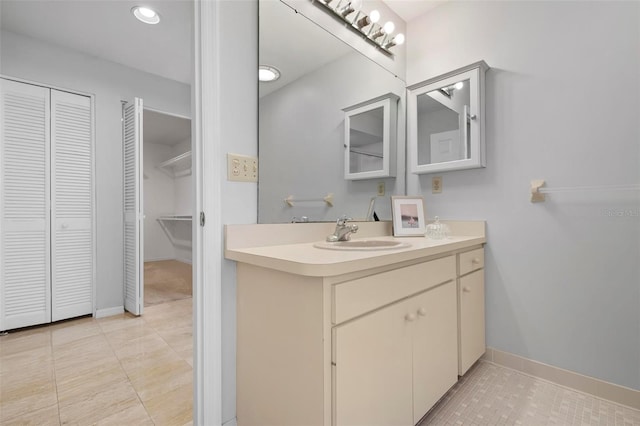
(436, 184)
(242, 168)
(380, 189)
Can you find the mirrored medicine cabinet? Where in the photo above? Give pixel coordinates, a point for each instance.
(370, 130)
(445, 121)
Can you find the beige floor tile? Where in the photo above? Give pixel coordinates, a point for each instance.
(102, 376)
(140, 346)
(147, 361)
(26, 360)
(98, 403)
(83, 371)
(172, 408)
(136, 415)
(69, 331)
(24, 341)
(119, 322)
(158, 380)
(122, 337)
(26, 397)
(47, 416)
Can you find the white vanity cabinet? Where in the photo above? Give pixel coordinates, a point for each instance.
(392, 364)
(337, 338)
(471, 319)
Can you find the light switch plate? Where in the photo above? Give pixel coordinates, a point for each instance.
(381, 189)
(242, 168)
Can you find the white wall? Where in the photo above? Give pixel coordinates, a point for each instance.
(563, 104)
(110, 83)
(158, 192)
(302, 143)
(182, 206)
(238, 58)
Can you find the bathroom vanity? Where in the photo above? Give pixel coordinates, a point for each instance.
(353, 337)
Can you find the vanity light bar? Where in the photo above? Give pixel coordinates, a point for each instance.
(376, 34)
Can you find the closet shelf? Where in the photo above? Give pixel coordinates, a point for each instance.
(177, 166)
(175, 217)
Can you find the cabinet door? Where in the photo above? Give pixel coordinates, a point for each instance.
(25, 288)
(472, 339)
(72, 205)
(434, 346)
(372, 381)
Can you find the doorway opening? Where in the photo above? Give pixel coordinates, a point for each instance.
(167, 207)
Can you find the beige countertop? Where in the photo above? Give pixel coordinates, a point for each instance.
(302, 258)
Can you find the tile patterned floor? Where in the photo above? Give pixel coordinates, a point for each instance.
(111, 371)
(126, 370)
(493, 395)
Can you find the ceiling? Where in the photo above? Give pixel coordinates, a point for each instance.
(165, 129)
(107, 29)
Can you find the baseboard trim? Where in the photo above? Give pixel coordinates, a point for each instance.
(232, 422)
(570, 379)
(107, 312)
(188, 261)
(159, 259)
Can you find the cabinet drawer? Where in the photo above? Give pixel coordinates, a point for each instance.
(354, 298)
(470, 261)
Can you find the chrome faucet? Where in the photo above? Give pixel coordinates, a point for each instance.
(343, 231)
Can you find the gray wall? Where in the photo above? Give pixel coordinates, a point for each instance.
(563, 104)
(40, 62)
(238, 56)
(158, 193)
(302, 138)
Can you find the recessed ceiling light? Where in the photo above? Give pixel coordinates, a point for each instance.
(146, 15)
(267, 73)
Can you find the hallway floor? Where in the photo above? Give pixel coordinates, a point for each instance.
(111, 371)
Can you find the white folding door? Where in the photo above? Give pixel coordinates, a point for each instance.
(46, 205)
(133, 226)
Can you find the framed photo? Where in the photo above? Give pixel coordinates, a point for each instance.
(408, 216)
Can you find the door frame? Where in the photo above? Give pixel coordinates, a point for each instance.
(208, 239)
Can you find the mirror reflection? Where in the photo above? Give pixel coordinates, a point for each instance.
(444, 124)
(365, 135)
(302, 122)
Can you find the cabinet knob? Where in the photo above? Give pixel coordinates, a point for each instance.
(422, 312)
(466, 289)
(475, 260)
(410, 317)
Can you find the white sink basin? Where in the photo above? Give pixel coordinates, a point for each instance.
(362, 245)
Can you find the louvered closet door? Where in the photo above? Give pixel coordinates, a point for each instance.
(25, 290)
(133, 251)
(72, 267)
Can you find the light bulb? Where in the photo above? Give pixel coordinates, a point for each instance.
(389, 27)
(399, 39)
(459, 85)
(146, 15)
(267, 73)
(374, 16)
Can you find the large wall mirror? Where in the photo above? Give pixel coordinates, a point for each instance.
(301, 122)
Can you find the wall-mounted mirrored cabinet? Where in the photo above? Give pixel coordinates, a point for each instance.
(370, 138)
(445, 121)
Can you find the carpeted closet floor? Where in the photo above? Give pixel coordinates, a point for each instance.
(166, 281)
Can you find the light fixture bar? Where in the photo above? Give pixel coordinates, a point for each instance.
(357, 20)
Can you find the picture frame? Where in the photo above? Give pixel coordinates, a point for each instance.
(408, 213)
